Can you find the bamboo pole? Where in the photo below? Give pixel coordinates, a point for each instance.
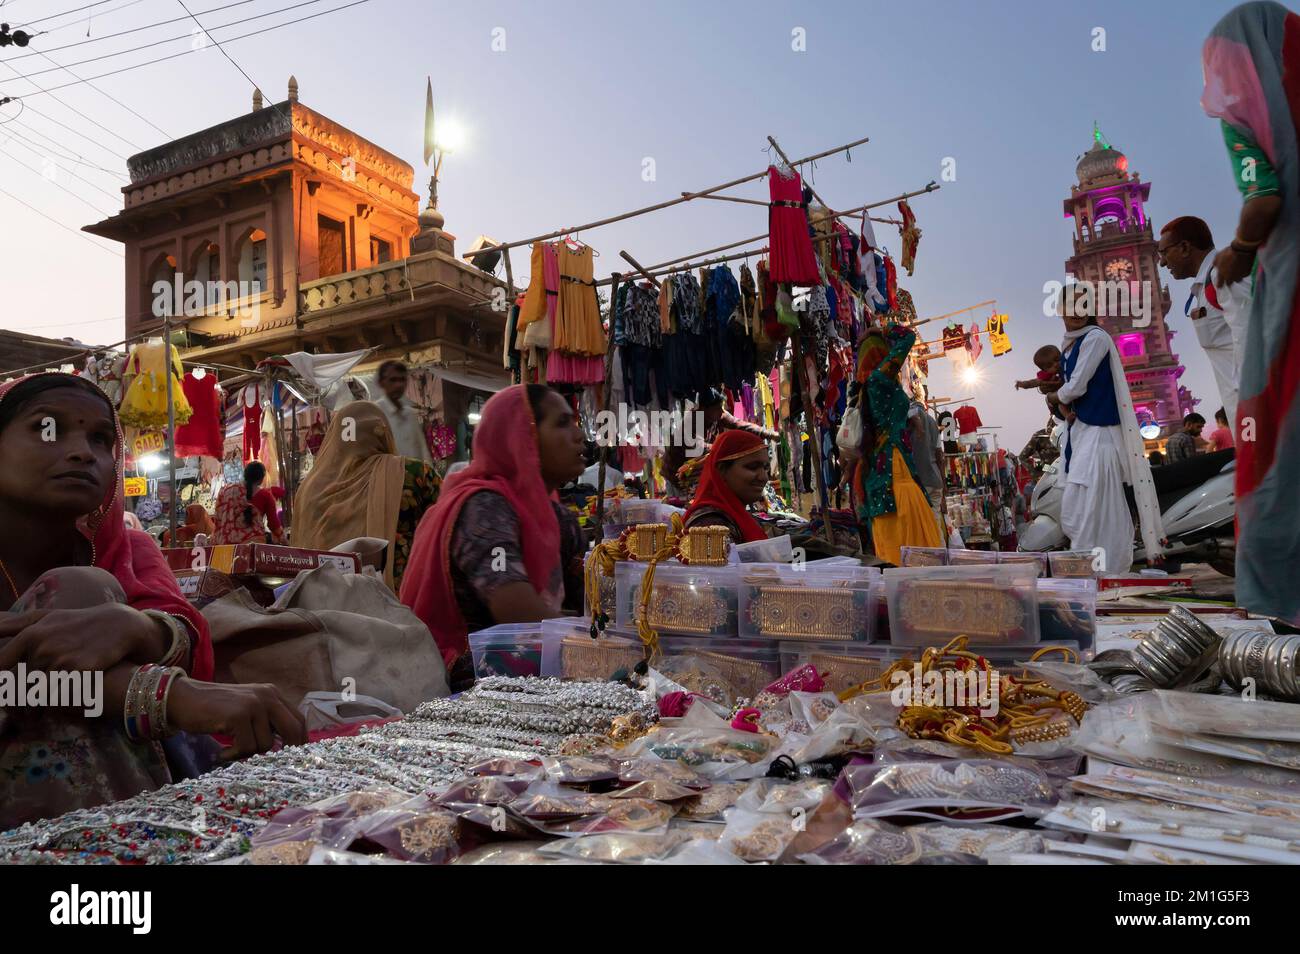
(786, 159)
(657, 206)
(637, 265)
(959, 311)
(604, 404)
(510, 304)
(930, 187)
(847, 215)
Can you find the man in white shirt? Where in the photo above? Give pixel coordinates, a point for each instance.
(1219, 314)
(408, 433)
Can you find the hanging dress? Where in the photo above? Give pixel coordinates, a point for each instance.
(203, 436)
(578, 339)
(792, 258)
(144, 405)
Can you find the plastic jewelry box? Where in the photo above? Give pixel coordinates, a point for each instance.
(508, 649)
(1067, 610)
(814, 602)
(743, 666)
(687, 600)
(993, 605)
(1074, 564)
(841, 665)
(938, 556)
(569, 652)
(1025, 556)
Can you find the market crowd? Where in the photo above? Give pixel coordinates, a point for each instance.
(491, 542)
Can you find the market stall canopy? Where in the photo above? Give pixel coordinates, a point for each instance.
(465, 379)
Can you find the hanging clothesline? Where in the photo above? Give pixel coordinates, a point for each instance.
(685, 197)
(960, 311)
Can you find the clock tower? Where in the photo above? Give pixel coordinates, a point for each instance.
(1115, 251)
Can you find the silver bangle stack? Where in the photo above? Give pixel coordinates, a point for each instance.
(1272, 661)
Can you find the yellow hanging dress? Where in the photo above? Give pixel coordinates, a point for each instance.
(144, 405)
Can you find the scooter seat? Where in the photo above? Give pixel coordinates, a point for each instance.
(1175, 481)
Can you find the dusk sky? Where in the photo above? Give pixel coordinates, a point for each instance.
(559, 123)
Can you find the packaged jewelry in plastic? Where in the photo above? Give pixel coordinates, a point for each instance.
(413, 831)
(1227, 715)
(514, 768)
(922, 788)
(1037, 559)
(840, 665)
(778, 796)
(635, 770)
(993, 605)
(581, 770)
(481, 790)
(1121, 782)
(711, 805)
(686, 600)
(657, 790)
(628, 848)
(512, 853)
(617, 815)
(805, 602)
(758, 836)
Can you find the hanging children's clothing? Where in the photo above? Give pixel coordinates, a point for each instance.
(911, 235)
(144, 405)
(203, 435)
(578, 340)
(791, 251)
(250, 400)
(999, 340)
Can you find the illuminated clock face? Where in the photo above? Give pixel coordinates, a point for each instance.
(1119, 269)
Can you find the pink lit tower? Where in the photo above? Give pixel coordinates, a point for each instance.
(1114, 244)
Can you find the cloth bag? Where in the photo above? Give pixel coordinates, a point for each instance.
(328, 626)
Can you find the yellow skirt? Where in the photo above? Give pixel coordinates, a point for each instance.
(912, 524)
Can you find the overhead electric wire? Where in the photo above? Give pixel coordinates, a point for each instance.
(36, 148)
(89, 18)
(109, 96)
(55, 16)
(37, 172)
(177, 39)
(72, 154)
(73, 130)
(61, 225)
(163, 59)
(73, 108)
(110, 36)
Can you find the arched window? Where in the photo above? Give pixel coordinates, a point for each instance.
(205, 268)
(250, 253)
(160, 287)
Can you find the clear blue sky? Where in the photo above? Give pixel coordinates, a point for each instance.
(560, 121)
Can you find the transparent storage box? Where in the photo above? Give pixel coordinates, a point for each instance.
(1067, 611)
(1074, 564)
(687, 600)
(960, 557)
(509, 649)
(1018, 556)
(822, 603)
(993, 605)
(569, 652)
(841, 665)
(924, 556)
(721, 669)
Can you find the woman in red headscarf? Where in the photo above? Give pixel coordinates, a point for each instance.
(91, 596)
(498, 547)
(735, 476)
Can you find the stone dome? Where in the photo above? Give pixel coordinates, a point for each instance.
(1100, 162)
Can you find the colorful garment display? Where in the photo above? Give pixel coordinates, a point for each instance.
(144, 405)
(999, 340)
(968, 419)
(250, 401)
(792, 259)
(204, 435)
(911, 235)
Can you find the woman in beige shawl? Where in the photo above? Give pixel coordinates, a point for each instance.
(360, 487)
